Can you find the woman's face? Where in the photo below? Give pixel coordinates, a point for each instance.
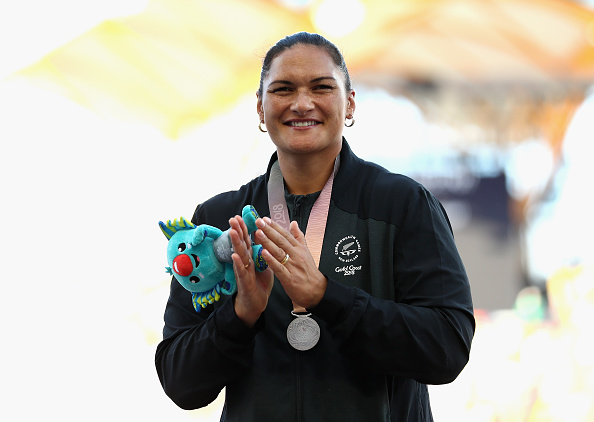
(304, 102)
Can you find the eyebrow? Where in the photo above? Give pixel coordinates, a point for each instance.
(321, 78)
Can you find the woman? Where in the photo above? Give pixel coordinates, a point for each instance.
(367, 307)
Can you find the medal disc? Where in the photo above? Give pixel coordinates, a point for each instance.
(303, 333)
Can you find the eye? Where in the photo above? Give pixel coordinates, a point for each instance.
(181, 247)
(280, 89)
(323, 87)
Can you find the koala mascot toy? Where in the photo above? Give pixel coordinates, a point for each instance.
(199, 257)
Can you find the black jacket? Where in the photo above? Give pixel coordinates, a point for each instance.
(397, 314)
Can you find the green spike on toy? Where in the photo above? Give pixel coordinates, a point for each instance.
(174, 226)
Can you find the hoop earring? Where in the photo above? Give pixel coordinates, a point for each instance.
(260, 127)
(350, 124)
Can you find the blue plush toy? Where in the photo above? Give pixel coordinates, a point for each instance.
(199, 257)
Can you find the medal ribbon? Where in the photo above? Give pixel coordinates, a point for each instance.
(316, 224)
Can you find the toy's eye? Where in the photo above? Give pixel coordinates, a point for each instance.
(181, 247)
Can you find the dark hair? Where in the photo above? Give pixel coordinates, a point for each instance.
(308, 39)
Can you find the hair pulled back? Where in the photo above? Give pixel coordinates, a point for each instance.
(307, 39)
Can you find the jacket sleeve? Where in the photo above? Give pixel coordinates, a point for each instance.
(426, 332)
(200, 354)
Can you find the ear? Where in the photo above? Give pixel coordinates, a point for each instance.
(199, 234)
(351, 103)
(259, 108)
(203, 231)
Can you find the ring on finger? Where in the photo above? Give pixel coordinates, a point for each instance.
(285, 259)
(246, 266)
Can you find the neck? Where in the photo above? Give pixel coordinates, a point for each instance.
(305, 175)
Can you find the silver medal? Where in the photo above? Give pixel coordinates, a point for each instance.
(303, 332)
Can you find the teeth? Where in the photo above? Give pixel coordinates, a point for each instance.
(301, 124)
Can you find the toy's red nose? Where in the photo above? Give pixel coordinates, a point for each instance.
(182, 265)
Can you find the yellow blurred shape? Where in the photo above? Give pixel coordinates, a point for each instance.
(174, 65)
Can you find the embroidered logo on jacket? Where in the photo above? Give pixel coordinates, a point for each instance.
(347, 250)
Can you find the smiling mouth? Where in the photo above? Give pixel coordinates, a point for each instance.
(303, 124)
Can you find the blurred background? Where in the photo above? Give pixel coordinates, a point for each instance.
(117, 114)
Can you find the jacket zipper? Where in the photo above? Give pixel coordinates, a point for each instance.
(298, 216)
(298, 386)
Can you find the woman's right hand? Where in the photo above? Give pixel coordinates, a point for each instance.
(253, 287)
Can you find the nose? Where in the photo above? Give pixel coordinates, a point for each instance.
(182, 265)
(302, 103)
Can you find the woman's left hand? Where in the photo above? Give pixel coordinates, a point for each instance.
(253, 287)
(289, 258)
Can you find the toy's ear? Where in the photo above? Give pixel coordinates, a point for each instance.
(199, 234)
(203, 231)
(172, 227)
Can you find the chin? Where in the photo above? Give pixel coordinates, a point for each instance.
(307, 145)
(304, 148)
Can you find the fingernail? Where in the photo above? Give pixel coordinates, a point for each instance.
(260, 223)
(267, 220)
